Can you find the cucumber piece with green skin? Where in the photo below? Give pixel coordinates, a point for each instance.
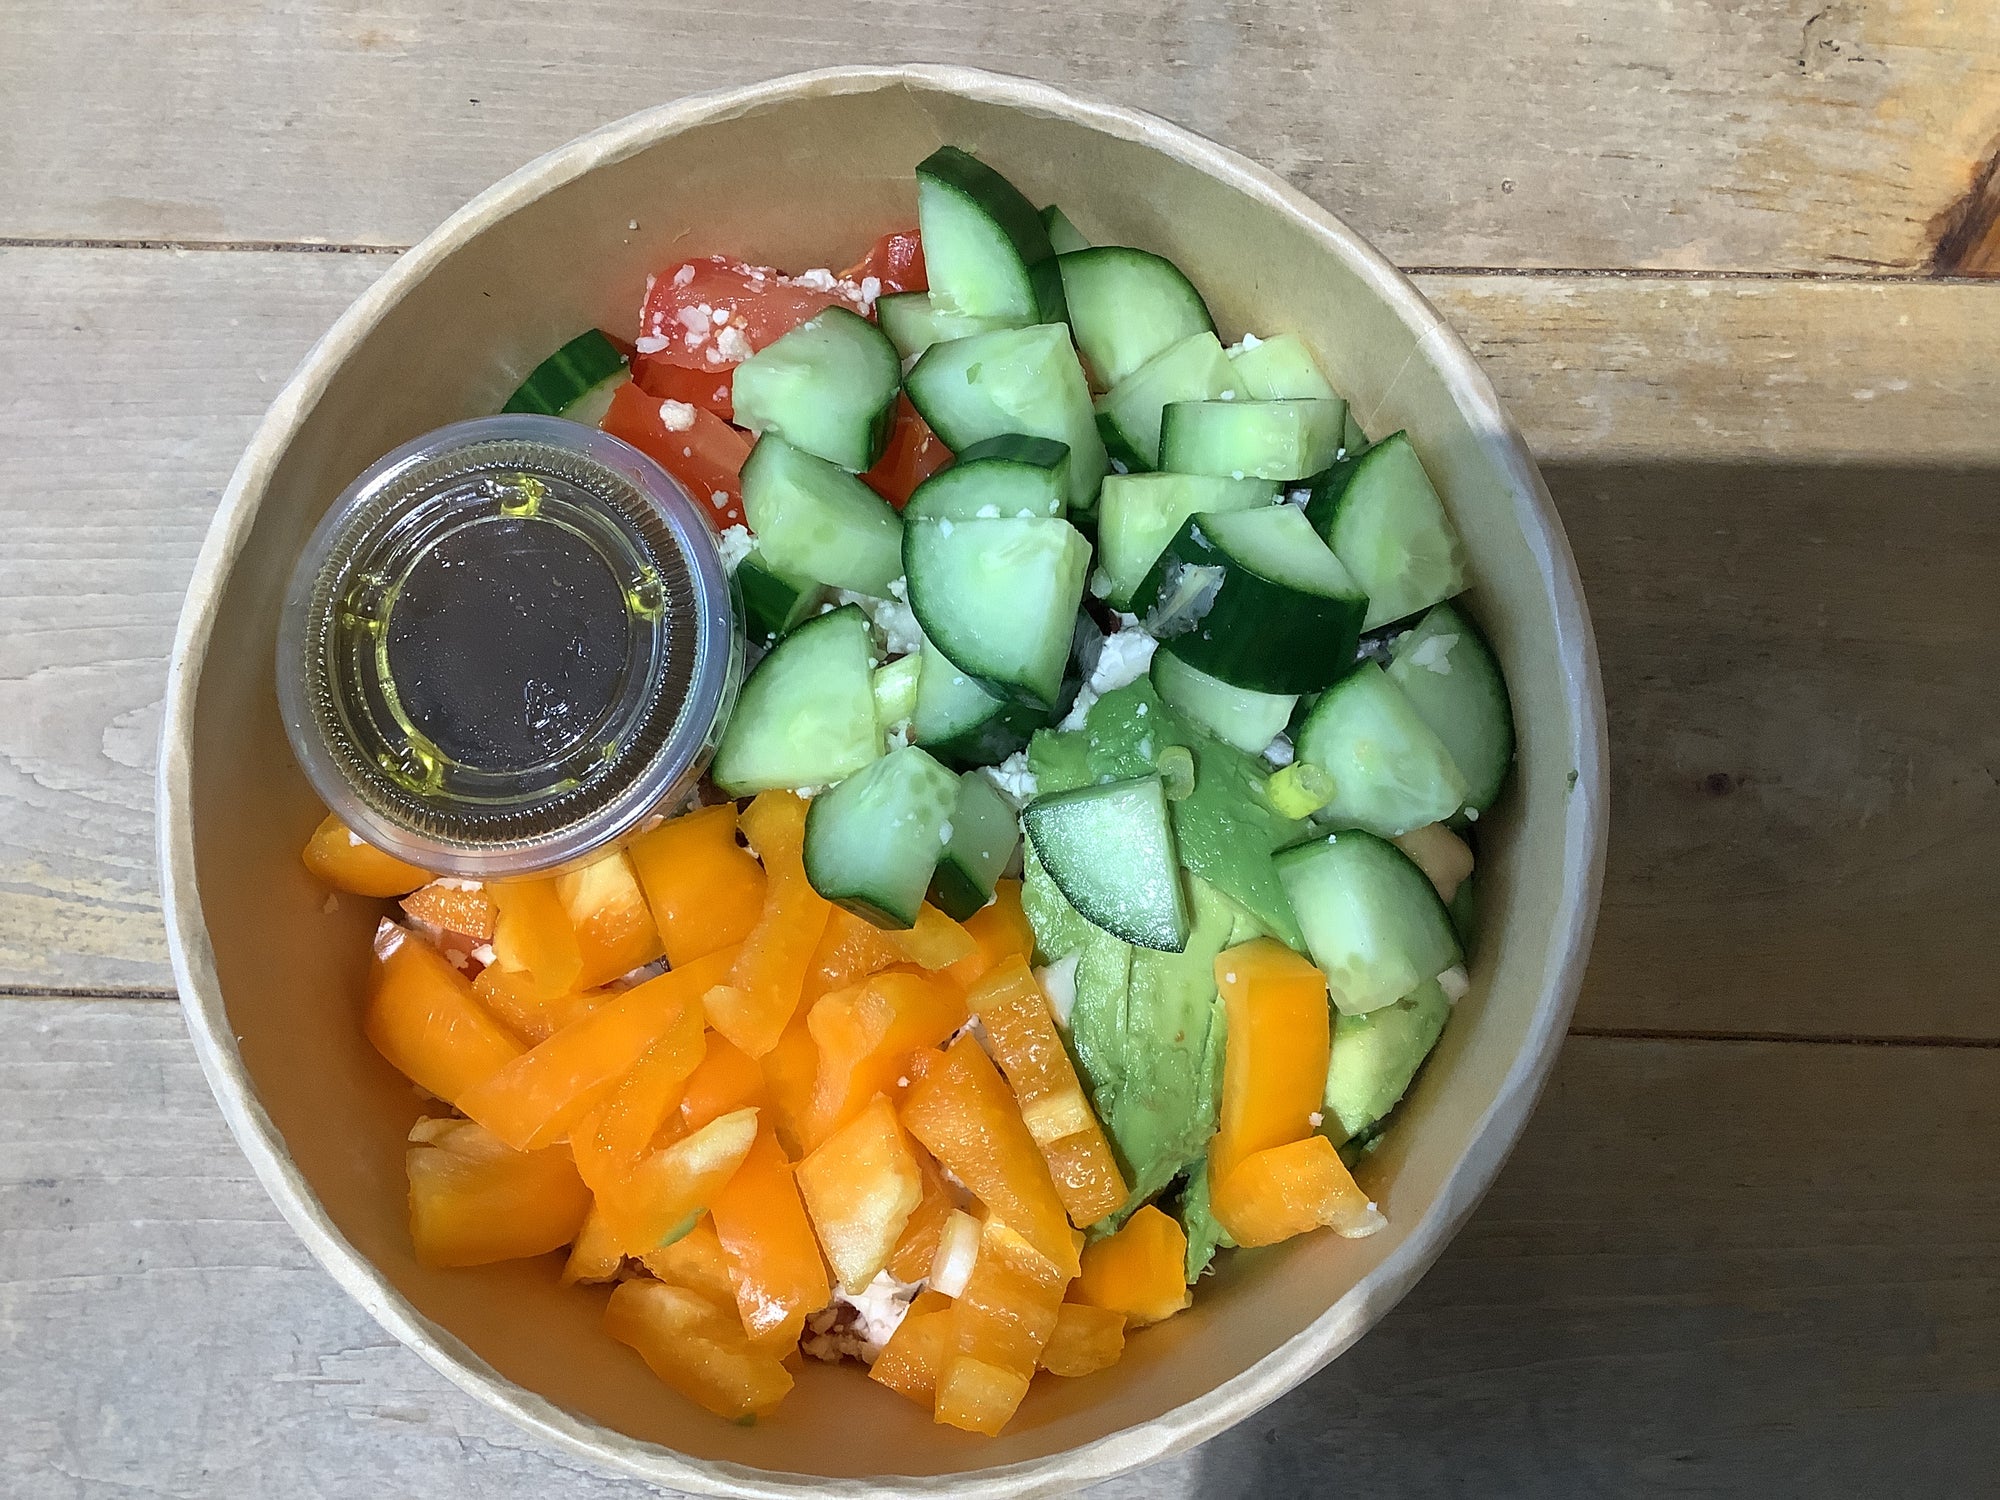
(1064, 236)
(872, 843)
(913, 324)
(1016, 380)
(1280, 369)
(1110, 850)
(1237, 716)
(960, 722)
(1451, 678)
(1372, 920)
(985, 249)
(813, 519)
(984, 832)
(1390, 772)
(1246, 597)
(1128, 416)
(1382, 516)
(999, 598)
(1127, 306)
(1138, 514)
(576, 381)
(828, 387)
(895, 686)
(806, 715)
(1375, 1058)
(1002, 477)
(772, 602)
(1282, 440)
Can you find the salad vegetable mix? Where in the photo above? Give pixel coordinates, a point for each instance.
(1082, 876)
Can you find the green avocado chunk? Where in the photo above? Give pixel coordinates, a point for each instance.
(1375, 1057)
(1204, 1235)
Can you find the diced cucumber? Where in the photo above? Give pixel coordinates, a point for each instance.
(1017, 380)
(999, 598)
(815, 520)
(1352, 438)
(999, 478)
(1127, 306)
(1376, 1056)
(806, 715)
(1111, 851)
(961, 723)
(772, 602)
(985, 249)
(895, 684)
(1281, 440)
(1280, 369)
(1064, 236)
(1372, 920)
(1236, 716)
(874, 840)
(984, 831)
(913, 324)
(828, 387)
(1448, 672)
(1390, 772)
(1128, 416)
(576, 381)
(1138, 515)
(1246, 596)
(1381, 515)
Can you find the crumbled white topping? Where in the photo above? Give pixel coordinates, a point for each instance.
(354, 840)
(896, 737)
(634, 224)
(684, 275)
(1058, 982)
(456, 959)
(1079, 711)
(871, 288)
(733, 346)
(719, 499)
(1299, 495)
(483, 952)
(892, 618)
(1279, 752)
(1100, 584)
(944, 832)
(388, 938)
(858, 1326)
(1455, 982)
(1228, 396)
(1434, 655)
(331, 904)
(676, 416)
(454, 883)
(1235, 473)
(1121, 659)
(1013, 779)
(1230, 977)
(651, 343)
(944, 526)
(719, 317)
(988, 512)
(695, 321)
(1472, 815)
(735, 544)
(819, 279)
(1315, 1119)
(1247, 342)
(1372, 1222)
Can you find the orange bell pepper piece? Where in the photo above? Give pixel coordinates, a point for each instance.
(705, 889)
(422, 1016)
(608, 912)
(911, 1259)
(532, 936)
(860, 1187)
(999, 1326)
(1086, 1339)
(596, 1255)
(789, 1069)
(339, 858)
(697, 1262)
(908, 1363)
(456, 906)
(864, 1036)
(474, 1199)
(762, 1223)
(697, 1347)
(610, 1140)
(726, 1081)
(935, 942)
(674, 1185)
(753, 1008)
(1274, 1054)
(1015, 1013)
(1139, 1271)
(850, 949)
(999, 928)
(512, 998)
(540, 1095)
(963, 1113)
(1287, 1190)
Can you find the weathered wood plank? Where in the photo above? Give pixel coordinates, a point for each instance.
(1773, 134)
(1701, 1272)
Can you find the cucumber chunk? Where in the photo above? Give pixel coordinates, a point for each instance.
(999, 598)
(895, 686)
(828, 387)
(1449, 674)
(1064, 236)
(1237, 716)
(1372, 920)
(815, 520)
(1002, 477)
(1111, 851)
(1390, 772)
(1381, 515)
(1127, 306)
(1280, 369)
(1128, 416)
(1246, 597)
(1138, 514)
(985, 248)
(961, 723)
(913, 323)
(772, 601)
(1017, 380)
(984, 832)
(873, 842)
(575, 382)
(1282, 440)
(806, 715)
(1375, 1057)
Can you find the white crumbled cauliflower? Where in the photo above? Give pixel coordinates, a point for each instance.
(1279, 752)
(1058, 982)
(1013, 779)
(735, 544)
(1455, 982)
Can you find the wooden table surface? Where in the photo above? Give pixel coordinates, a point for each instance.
(1723, 261)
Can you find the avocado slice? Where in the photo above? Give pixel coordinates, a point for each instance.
(1204, 1235)
(1375, 1057)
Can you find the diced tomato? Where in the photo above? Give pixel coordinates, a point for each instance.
(707, 387)
(896, 260)
(913, 455)
(706, 456)
(710, 314)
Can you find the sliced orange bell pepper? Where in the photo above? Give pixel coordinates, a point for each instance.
(676, 1184)
(864, 1035)
(1139, 1271)
(512, 998)
(596, 1255)
(860, 1187)
(763, 989)
(1086, 1340)
(697, 1262)
(535, 1099)
(608, 912)
(1274, 1054)
(705, 889)
(788, 1070)
(422, 1016)
(455, 905)
(908, 1363)
(610, 1140)
(911, 1259)
(1287, 1190)
(850, 949)
(1015, 1013)
(697, 1347)
(474, 1199)
(999, 928)
(532, 936)
(965, 1116)
(726, 1081)
(999, 1326)
(339, 858)
(762, 1223)
(935, 942)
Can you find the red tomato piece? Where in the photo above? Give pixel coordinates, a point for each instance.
(896, 260)
(710, 389)
(913, 455)
(715, 312)
(706, 455)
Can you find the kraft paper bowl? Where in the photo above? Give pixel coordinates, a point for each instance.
(806, 171)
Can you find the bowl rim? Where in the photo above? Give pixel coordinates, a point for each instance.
(1342, 1323)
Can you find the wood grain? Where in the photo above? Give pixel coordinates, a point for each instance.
(1772, 134)
(1701, 1271)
